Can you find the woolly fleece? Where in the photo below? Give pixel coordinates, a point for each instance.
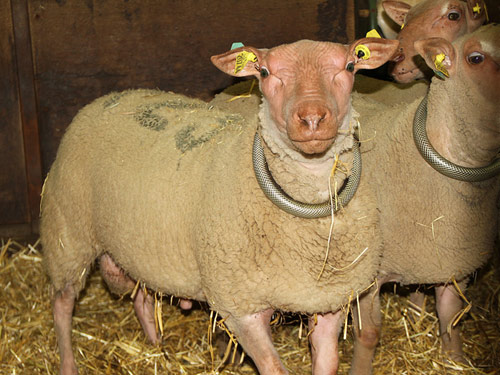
(434, 228)
(164, 185)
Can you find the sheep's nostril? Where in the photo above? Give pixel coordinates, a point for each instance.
(312, 117)
(399, 57)
(311, 121)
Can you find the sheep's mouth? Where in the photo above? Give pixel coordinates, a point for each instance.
(416, 69)
(405, 77)
(313, 146)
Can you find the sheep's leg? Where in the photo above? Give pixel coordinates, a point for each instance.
(63, 304)
(254, 334)
(145, 310)
(119, 283)
(448, 304)
(417, 301)
(324, 338)
(185, 304)
(416, 304)
(366, 338)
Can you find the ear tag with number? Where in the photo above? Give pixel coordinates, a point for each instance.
(242, 59)
(440, 68)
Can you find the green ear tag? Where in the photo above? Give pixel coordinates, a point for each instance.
(236, 45)
(439, 74)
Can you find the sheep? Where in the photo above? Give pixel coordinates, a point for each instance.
(446, 19)
(436, 229)
(160, 188)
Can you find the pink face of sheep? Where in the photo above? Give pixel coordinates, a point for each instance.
(447, 19)
(308, 85)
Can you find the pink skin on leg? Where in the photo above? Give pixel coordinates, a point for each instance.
(186, 304)
(416, 305)
(119, 283)
(417, 300)
(448, 304)
(367, 338)
(254, 334)
(63, 304)
(324, 343)
(144, 309)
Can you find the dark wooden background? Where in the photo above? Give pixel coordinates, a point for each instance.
(58, 55)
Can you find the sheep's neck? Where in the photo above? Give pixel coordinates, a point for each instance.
(305, 180)
(463, 131)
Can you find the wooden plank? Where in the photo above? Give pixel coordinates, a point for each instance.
(13, 184)
(28, 106)
(84, 49)
(493, 7)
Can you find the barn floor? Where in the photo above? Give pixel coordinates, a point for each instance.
(107, 337)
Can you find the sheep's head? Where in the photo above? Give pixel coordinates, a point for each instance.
(447, 19)
(471, 70)
(307, 85)
(473, 59)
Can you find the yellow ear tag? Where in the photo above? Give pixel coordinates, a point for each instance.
(477, 9)
(362, 52)
(402, 25)
(242, 59)
(438, 63)
(373, 34)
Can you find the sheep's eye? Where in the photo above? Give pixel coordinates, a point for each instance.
(350, 67)
(453, 15)
(475, 58)
(264, 72)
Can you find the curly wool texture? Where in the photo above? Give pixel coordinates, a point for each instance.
(434, 228)
(164, 185)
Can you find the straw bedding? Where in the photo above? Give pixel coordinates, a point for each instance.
(108, 339)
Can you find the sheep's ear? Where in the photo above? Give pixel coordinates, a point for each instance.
(240, 62)
(477, 14)
(370, 53)
(439, 55)
(396, 10)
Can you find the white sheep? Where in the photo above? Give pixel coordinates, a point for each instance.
(436, 229)
(161, 188)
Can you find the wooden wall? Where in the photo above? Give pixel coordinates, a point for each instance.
(14, 201)
(58, 55)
